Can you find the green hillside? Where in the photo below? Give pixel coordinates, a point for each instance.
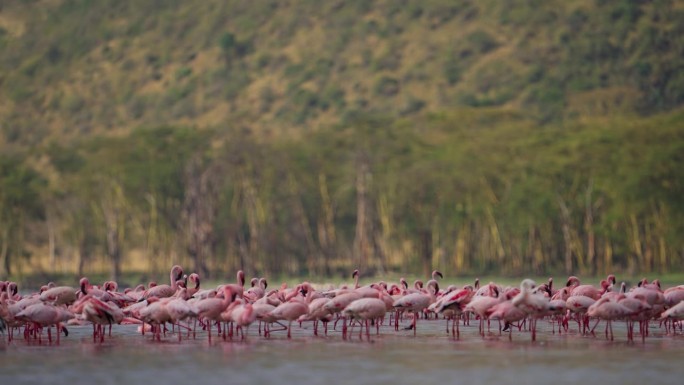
(313, 137)
(69, 68)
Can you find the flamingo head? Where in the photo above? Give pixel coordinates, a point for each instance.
(84, 283)
(176, 273)
(527, 285)
(241, 278)
(573, 281)
(194, 277)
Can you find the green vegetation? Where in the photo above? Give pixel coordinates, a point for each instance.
(307, 138)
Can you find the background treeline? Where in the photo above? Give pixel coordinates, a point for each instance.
(308, 137)
(471, 191)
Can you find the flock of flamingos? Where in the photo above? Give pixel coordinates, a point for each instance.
(183, 308)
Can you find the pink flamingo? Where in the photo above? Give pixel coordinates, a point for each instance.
(416, 302)
(179, 309)
(579, 306)
(244, 316)
(163, 291)
(258, 290)
(100, 313)
(42, 315)
(156, 314)
(608, 310)
(640, 312)
(194, 278)
(674, 313)
(318, 312)
(507, 312)
(453, 304)
(481, 305)
(290, 311)
(239, 286)
(535, 305)
(93, 291)
(60, 295)
(366, 310)
(586, 290)
(210, 309)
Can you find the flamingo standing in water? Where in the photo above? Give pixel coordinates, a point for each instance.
(243, 316)
(453, 305)
(416, 303)
(481, 305)
(291, 310)
(535, 305)
(42, 315)
(210, 309)
(179, 309)
(100, 313)
(509, 313)
(608, 310)
(318, 312)
(366, 310)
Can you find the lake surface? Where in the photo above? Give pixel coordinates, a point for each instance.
(431, 357)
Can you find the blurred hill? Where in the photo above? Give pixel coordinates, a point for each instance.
(70, 68)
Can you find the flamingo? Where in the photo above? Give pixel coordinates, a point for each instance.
(481, 305)
(586, 290)
(60, 295)
(674, 313)
(337, 304)
(179, 309)
(163, 291)
(608, 310)
(452, 305)
(237, 288)
(194, 278)
(99, 313)
(535, 305)
(42, 315)
(579, 305)
(258, 290)
(156, 314)
(243, 316)
(640, 312)
(416, 302)
(210, 309)
(317, 312)
(506, 311)
(366, 309)
(290, 311)
(92, 291)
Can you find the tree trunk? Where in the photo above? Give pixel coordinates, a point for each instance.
(567, 239)
(113, 206)
(199, 211)
(326, 228)
(361, 244)
(426, 251)
(589, 230)
(114, 252)
(5, 253)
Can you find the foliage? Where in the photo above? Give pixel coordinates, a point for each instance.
(306, 139)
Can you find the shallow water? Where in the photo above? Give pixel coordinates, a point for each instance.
(389, 358)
